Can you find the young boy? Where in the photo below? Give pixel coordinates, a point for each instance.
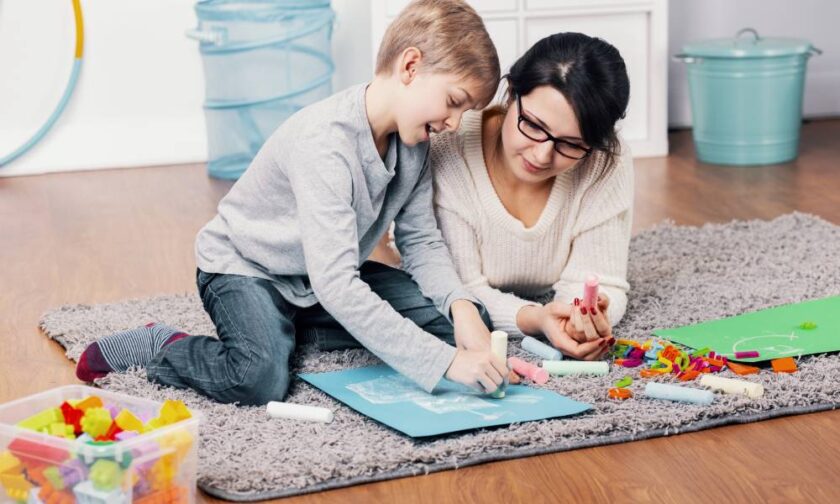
(284, 255)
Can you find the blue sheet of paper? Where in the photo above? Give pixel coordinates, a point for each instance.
(381, 393)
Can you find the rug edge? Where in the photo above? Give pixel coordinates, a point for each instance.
(553, 448)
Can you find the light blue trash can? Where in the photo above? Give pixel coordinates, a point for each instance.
(746, 97)
(263, 61)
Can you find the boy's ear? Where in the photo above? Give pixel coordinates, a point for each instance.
(409, 64)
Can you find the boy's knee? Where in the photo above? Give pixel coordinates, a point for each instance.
(265, 381)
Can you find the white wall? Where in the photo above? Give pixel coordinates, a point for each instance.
(138, 100)
(813, 20)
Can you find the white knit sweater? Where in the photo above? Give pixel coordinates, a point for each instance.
(584, 229)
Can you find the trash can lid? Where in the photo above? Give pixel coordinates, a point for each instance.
(747, 44)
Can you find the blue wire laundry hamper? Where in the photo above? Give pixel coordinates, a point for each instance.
(263, 61)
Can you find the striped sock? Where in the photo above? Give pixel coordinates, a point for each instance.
(120, 351)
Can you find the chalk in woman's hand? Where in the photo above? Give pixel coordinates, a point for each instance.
(590, 292)
(299, 412)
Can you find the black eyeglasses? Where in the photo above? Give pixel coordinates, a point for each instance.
(536, 133)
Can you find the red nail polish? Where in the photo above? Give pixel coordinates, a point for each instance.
(611, 341)
(583, 310)
(577, 302)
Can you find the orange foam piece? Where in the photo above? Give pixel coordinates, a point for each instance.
(649, 373)
(89, 402)
(689, 375)
(620, 393)
(741, 369)
(784, 365)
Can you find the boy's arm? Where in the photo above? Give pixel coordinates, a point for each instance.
(424, 253)
(322, 188)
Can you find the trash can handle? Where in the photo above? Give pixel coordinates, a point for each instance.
(214, 36)
(814, 50)
(685, 58)
(749, 30)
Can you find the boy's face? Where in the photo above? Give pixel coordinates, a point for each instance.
(432, 103)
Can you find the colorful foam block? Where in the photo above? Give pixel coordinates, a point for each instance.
(784, 365)
(42, 420)
(97, 421)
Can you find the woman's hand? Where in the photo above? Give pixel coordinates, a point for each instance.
(552, 320)
(588, 325)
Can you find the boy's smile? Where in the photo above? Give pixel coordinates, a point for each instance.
(432, 103)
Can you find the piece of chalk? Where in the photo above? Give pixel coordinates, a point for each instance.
(732, 386)
(563, 368)
(498, 345)
(746, 354)
(590, 292)
(533, 372)
(299, 412)
(677, 393)
(537, 347)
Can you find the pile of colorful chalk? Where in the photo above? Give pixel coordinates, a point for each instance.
(662, 358)
(104, 457)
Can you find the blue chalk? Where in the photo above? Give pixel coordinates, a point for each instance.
(677, 393)
(539, 348)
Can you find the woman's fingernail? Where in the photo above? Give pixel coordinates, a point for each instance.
(583, 310)
(611, 341)
(577, 302)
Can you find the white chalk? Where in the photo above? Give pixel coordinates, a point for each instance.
(563, 368)
(498, 345)
(299, 412)
(537, 347)
(677, 393)
(732, 386)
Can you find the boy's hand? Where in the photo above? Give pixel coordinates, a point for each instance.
(470, 331)
(479, 369)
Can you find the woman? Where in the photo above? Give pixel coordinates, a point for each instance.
(536, 194)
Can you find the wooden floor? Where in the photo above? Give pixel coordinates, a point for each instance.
(94, 237)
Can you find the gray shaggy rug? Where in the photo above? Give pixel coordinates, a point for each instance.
(679, 275)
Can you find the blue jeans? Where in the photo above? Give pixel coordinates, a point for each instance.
(258, 330)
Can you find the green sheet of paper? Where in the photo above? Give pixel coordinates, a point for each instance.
(774, 332)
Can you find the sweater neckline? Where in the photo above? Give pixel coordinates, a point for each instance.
(472, 124)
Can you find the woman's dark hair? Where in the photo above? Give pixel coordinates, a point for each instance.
(589, 72)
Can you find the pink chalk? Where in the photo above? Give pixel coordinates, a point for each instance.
(590, 292)
(746, 354)
(534, 373)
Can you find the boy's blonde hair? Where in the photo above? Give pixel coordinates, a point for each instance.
(452, 39)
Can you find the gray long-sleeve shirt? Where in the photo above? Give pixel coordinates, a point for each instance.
(313, 205)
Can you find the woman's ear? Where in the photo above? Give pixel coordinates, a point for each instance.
(409, 64)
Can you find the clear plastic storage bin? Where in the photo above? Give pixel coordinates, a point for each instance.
(155, 467)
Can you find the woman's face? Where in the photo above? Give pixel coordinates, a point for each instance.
(530, 160)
